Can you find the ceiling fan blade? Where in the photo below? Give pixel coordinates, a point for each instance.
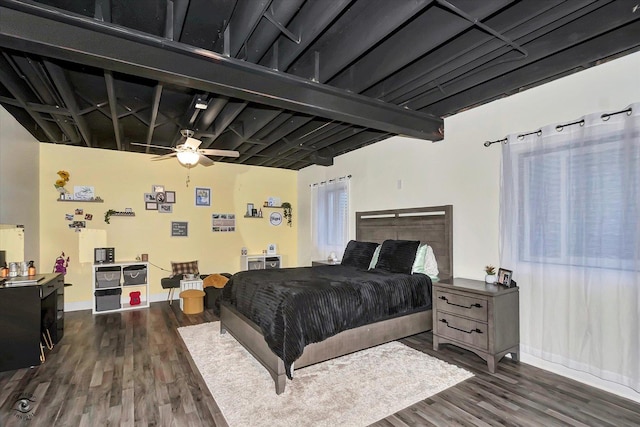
(192, 143)
(152, 146)
(166, 156)
(220, 153)
(205, 161)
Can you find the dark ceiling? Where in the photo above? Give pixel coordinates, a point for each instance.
(287, 83)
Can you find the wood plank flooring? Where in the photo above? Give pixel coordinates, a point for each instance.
(132, 369)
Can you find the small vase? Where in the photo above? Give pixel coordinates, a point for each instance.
(490, 278)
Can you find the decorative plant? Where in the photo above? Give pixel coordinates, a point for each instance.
(62, 181)
(490, 270)
(288, 212)
(61, 264)
(108, 214)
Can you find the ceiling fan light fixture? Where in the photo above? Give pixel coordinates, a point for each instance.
(188, 158)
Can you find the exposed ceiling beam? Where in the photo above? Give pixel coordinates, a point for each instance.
(113, 104)
(155, 104)
(40, 108)
(42, 30)
(60, 79)
(14, 85)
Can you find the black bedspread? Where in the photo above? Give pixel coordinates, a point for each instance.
(299, 306)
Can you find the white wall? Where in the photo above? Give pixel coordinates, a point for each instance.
(460, 171)
(19, 174)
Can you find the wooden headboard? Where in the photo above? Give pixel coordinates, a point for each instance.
(431, 225)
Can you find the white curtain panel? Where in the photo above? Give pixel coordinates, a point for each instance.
(330, 217)
(570, 231)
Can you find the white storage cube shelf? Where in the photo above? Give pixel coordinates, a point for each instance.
(260, 262)
(129, 276)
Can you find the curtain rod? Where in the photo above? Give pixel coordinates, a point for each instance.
(330, 180)
(559, 128)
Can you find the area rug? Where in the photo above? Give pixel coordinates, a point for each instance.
(353, 390)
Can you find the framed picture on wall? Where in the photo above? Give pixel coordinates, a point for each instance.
(203, 196)
(165, 207)
(151, 206)
(170, 197)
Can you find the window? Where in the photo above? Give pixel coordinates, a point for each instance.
(578, 202)
(330, 217)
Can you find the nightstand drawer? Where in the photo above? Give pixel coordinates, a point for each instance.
(463, 330)
(472, 307)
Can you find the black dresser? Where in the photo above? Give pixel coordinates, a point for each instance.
(32, 319)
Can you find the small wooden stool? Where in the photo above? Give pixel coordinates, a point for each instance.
(192, 301)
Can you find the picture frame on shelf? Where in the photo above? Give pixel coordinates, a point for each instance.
(504, 277)
(151, 206)
(249, 209)
(203, 196)
(170, 196)
(83, 192)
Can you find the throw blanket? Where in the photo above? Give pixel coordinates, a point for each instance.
(299, 306)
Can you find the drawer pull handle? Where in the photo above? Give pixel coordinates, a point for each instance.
(461, 330)
(458, 305)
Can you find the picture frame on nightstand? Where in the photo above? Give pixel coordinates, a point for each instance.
(504, 277)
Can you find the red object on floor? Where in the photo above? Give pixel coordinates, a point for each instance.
(134, 298)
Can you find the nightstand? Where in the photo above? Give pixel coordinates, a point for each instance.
(479, 317)
(324, 262)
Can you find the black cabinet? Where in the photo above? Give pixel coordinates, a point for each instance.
(31, 315)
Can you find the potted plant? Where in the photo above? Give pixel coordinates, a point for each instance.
(287, 212)
(490, 276)
(61, 182)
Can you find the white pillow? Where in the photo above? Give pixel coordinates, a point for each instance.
(430, 264)
(374, 258)
(418, 264)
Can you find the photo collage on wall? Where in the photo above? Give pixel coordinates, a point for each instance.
(159, 199)
(223, 222)
(78, 219)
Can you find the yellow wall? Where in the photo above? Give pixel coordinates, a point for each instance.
(122, 178)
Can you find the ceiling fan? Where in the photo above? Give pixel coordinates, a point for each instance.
(188, 153)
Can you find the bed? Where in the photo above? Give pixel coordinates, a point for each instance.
(429, 224)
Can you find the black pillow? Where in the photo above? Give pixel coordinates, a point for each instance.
(358, 254)
(397, 256)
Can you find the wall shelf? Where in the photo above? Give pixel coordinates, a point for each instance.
(82, 201)
(123, 214)
(251, 216)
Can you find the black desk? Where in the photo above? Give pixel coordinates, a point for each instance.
(27, 311)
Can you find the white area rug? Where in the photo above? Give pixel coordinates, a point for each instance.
(353, 390)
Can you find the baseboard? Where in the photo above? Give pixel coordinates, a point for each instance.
(78, 306)
(87, 305)
(582, 377)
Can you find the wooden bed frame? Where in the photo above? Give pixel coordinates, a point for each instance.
(432, 225)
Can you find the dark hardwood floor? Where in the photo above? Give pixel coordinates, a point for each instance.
(131, 368)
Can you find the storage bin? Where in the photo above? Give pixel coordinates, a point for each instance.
(256, 264)
(108, 299)
(272, 262)
(107, 277)
(134, 275)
